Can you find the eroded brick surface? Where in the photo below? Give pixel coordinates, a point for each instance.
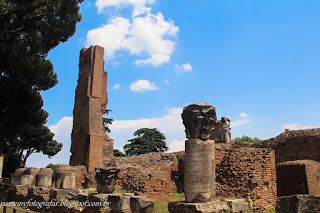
(89, 142)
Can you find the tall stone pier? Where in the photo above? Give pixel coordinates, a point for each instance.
(199, 177)
(89, 141)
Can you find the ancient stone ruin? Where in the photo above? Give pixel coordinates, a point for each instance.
(201, 125)
(199, 177)
(201, 122)
(90, 144)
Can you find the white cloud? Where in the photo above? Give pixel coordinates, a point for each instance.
(295, 126)
(244, 120)
(243, 115)
(240, 122)
(62, 131)
(141, 35)
(184, 67)
(117, 86)
(143, 85)
(111, 36)
(139, 5)
(167, 82)
(176, 146)
(170, 124)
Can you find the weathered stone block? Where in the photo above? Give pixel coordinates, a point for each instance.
(98, 197)
(209, 207)
(64, 180)
(82, 197)
(141, 204)
(298, 204)
(20, 189)
(27, 180)
(70, 194)
(39, 190)
(238, 205)
(44, 177)
(119, 203)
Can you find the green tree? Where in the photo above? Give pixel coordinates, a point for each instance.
(146, 141)
(52, 166)
(107, 121)
(29, 30)
(246, 139)
(118, 153)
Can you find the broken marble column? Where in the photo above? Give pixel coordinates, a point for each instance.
(199, 178)
(44, 177)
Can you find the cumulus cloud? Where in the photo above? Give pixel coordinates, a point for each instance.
(295, 126)
(167, 82)
(62, 131)
(184, 67)
(243, 115)
(244, 120)
(176, 146)
(143, 85)
(170, 124)
(142, 35)
(240, 122)
(117, 86)
(111, 36)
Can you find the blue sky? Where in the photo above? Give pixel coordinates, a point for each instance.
(256, 61)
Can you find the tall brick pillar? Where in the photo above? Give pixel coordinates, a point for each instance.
(88, 135)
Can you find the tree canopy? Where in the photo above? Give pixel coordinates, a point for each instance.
(146, 141)
(246, 139)
(29, 30)
(118, 153)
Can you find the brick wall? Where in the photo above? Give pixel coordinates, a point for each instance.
(240, 172)
(294, 145)
(246, 172)
(150, 174)
(298, 177)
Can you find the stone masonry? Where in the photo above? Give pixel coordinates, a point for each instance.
(89, 140)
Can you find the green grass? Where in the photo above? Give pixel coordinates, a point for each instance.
(260, 211)
(177, 197)
(123, 191)
(163, 207)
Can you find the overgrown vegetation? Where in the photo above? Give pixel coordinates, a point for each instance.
(246, 138)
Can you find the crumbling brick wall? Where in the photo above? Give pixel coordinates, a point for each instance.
(294, 145)
(150, 174)
(298, 177)
(241, 171)
(246, 172)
